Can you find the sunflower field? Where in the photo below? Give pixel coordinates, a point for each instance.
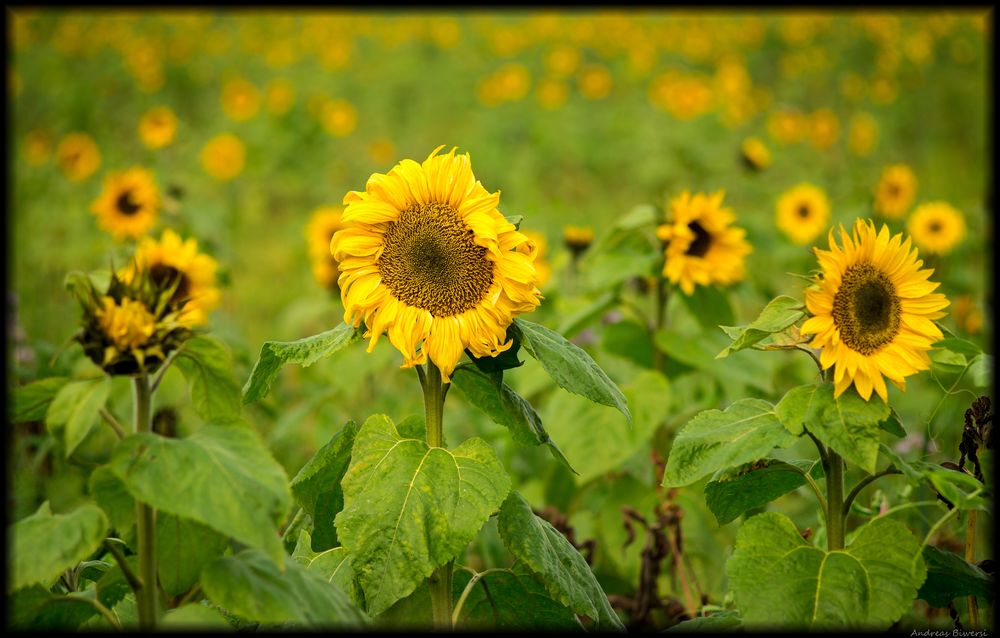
(711, 290)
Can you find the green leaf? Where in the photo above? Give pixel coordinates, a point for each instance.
(113, 497)
(317, 486)
(848, 424)
(639, 217)
(735, 491)
(893, 425)
(228, 479)
(721, 621)
(549, 556)
(949, 576)
(780, 314)
(305, 352)
(76, 407)
(207, 366)
(960, 346)
(183, 547)
(958, 487)
(515, 219)
(714, 440)
(630, 340)
(775, 574)
(795, 406)
(580, 319)
(981, 370)
(45, 545)
(709, 306)
(570, 367)
(698, 350)
(334, 566)
(498, 401)
(251, 586)
(194, 617)
(517, 601)
(410, 508)
(31, 401)
(597, 440)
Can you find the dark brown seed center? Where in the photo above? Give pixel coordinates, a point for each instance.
(866, 309)
(701, 243)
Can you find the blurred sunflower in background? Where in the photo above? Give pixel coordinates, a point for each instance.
(577, 238)
(755, 154)
(240, 99)
(224, 156)
(171, 260)
(426, 257)
(279, 96)
(803, 212)
(872, 310)
(339, 117)
(701, 247)
(37, 147)
(895, 191)
(323, 223)
(78, 156)
(129, 204)
(936, 227)
(157, 127)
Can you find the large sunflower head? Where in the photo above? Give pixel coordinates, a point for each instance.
(426, 257)
(701, 246)
(936, 227)
(175, 265)
(803, 212)
(129, 203)
(895, 191)
(872, 310)
(324, 222)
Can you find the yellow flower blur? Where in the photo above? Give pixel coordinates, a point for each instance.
(895, 191)
(129, 203)
(157, 127)
(78, 156)
(803, 212)
(223, 157)
(128, 325)
(936, 227)
(323, 223)
(240, 99)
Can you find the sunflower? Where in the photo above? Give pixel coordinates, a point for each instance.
(803, 213)
(824, 128)
(37, 147)
(936, 227)
(538, 247)
(895, 191)
(426, 257)
(700, 246)
(129, 203)
(339, 117)
(578, 238)
(171, 259)
(240, 99)
(224, 156)
(157, 127)
(863, 134)
(754, 154)
(279, 97)
(872, 310)
(128, 325)
(78, 156)
(323, 223)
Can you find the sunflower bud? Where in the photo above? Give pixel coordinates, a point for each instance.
(130, 328)
(578, 239)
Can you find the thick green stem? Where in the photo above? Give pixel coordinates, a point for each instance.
(145, 517)
(440, 580)
(834, 501)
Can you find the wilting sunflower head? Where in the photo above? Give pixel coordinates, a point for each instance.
(130, 328)
(182, 275)
(700, 245)
(537, 247)
(578, 238)
(936, 227)
(872, 310)
(324, 222)
(754, 154)
(802, 213)
(78, 156)
(157, 127)
(129, 203)
(426, 257)
(895, 191)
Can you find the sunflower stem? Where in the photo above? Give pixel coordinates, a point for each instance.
(145, 516)
(662, 293)
(834, 501)
(440, 580)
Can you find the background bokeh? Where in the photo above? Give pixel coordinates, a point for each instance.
(577, 117)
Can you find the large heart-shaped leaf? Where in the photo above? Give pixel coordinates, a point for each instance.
(410, 508)
(44, 545)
